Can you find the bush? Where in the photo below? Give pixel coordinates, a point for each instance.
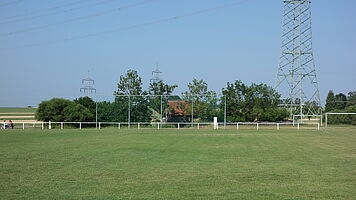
(63, 110)
(52, 110)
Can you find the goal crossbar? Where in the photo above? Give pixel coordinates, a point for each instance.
(326, 116)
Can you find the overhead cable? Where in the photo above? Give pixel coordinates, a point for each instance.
(78, 18)
(43, 10)
(57, 12)
(159, 21)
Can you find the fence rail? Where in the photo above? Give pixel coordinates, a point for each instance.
(166, 125)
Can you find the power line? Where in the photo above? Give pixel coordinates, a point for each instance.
(10, 3)
(57, 12)
(79, 18)
(43, 10)
(159, 21)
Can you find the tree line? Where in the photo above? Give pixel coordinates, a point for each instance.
(341, 103)
(238, 102)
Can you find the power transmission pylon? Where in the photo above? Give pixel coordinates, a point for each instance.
(87, 87)
(156, 75)
(296, 76)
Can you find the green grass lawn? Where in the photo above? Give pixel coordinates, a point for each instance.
(177, 164)
(17, 110)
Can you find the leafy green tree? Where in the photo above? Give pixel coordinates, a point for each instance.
(131, 84)
(340, 101)
(89, 104)
(330, 102)
(52, 110)
(160, 88)
(257, 102)
(203, 100)
(77, 113)
(351, 99)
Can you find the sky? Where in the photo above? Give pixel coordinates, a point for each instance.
(239, 42)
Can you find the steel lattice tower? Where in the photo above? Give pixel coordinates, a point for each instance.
(156, 75)
(87, 87)
(296, 76)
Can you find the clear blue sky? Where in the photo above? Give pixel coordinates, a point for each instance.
(241, 42)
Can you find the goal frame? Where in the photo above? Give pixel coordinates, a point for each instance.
(326, 116)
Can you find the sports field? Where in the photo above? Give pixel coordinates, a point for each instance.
(177, 164)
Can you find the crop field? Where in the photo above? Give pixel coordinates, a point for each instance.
(177, 164)
(15, 114)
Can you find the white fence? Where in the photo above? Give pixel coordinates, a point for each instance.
(160, 125)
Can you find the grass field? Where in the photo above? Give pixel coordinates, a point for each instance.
(17, 114)
(177, 164)
(17, 110)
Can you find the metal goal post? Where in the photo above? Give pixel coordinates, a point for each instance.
(327, 114)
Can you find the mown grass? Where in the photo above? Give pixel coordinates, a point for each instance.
(177, 164)
(17, 110)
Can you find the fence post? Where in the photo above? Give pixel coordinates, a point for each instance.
(198, 126)
(23, 125)
(178, 126)
(258, 126)
(99, 125)
(157, 125)
(119, 126)
(318, 126)
(225, 113)
(61, 125)
(237, 126)
(80, 125)
(42, 125)
(277, 126)
(138, 126)
(298, 126)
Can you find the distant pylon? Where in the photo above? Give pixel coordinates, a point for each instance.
(296, 76)
(87, 86)
(156, 75)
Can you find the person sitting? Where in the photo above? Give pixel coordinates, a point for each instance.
(4, 125)
(11, 124)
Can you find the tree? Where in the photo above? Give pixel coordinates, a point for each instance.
(160, 88)
(351, 99)
(52, 110)
(340, 101)
(77, 113)
(203, 100)
(257, 102)
(130, 84)
(155, 102)
(89, 104)
(330, 102)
